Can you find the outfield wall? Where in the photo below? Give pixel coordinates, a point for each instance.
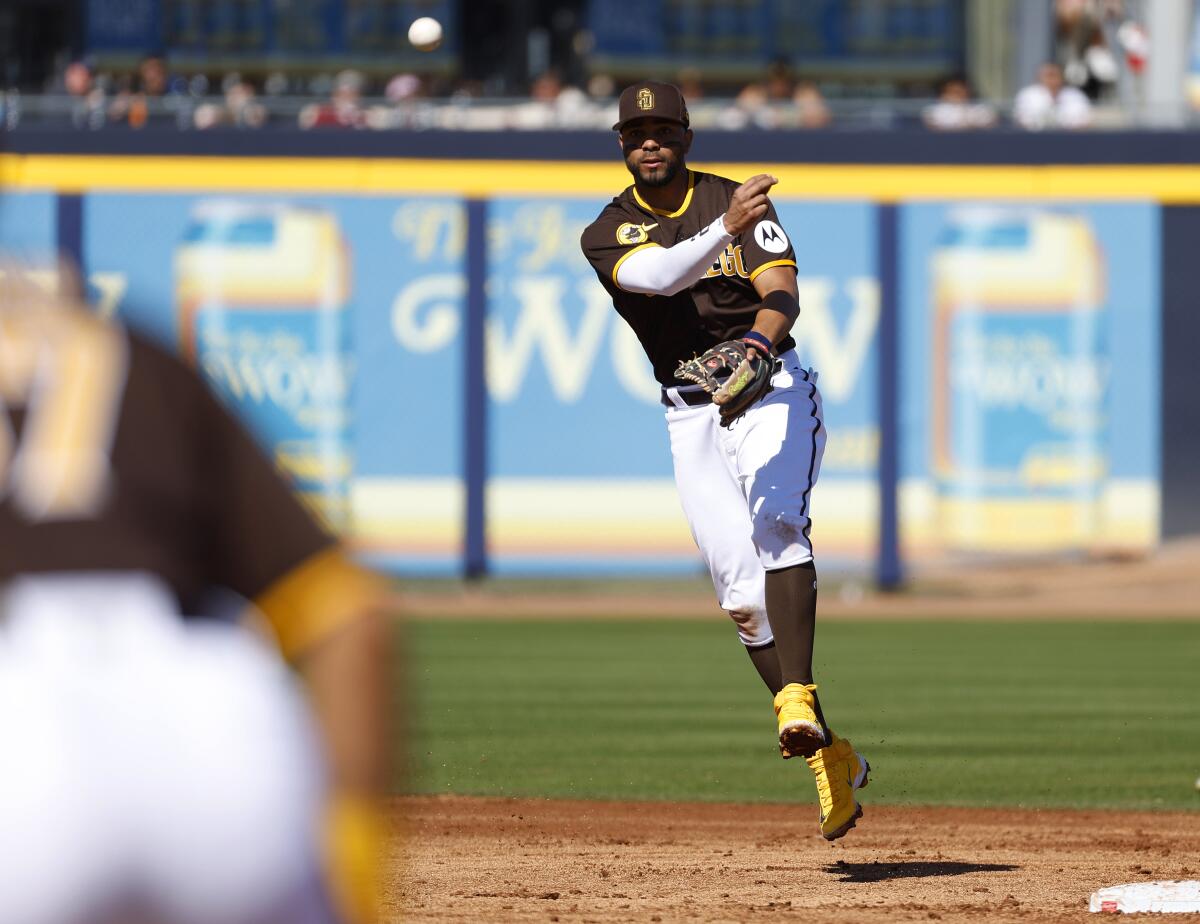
(1023, 375)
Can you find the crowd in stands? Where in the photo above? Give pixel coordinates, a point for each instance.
(1093, 55)
(153, 96)
(1097, 58)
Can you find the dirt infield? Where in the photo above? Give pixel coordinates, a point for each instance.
(1163, 585)
(469, 859)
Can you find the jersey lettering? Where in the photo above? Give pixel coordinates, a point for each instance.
(729, 263)
(70, 384)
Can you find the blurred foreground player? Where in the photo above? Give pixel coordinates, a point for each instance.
(157, 768)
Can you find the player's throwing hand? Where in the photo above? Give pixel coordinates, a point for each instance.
(748, 203)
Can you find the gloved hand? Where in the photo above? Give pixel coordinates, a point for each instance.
(733, 377)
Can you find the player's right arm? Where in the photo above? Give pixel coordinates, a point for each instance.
(622, 251)
(331, 618)
(342, 652)
(649, 268)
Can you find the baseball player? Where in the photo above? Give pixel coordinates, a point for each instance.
(700, 268)
(162, 768)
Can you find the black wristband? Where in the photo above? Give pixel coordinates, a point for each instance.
(783, 302)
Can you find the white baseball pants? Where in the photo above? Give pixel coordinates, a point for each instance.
(148, 760)
(746, 490)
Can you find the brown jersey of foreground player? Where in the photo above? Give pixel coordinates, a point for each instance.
(114, 457)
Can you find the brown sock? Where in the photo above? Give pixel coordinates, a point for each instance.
(766, 662)
(792, 610)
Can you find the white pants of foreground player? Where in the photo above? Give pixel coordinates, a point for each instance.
(746, 489)
(149, 764)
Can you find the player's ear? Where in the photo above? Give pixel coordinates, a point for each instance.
(687, 140)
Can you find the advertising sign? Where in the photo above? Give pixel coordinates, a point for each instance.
(330, 325)
(1030, 374)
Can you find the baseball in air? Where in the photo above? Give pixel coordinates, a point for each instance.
(425, 33)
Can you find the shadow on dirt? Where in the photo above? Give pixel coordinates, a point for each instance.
(910, 869)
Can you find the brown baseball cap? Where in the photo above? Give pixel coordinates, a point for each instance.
(651, 99)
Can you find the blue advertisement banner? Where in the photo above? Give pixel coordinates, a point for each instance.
(318, 319)
(28, 226)
(334, 324)
(1030, 375)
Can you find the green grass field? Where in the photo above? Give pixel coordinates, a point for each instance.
(1035, 713)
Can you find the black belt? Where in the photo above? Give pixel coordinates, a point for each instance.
(691, 395)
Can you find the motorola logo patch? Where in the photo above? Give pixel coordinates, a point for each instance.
(770, 237)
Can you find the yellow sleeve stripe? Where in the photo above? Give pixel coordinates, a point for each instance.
(767, 266)
(317, 598)
(625, 256)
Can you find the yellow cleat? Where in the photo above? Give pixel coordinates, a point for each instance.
(800, 734)
(839, 770)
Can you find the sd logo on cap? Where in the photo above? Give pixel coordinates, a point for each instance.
(651, 99)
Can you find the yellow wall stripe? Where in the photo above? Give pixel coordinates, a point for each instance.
(1171, 183)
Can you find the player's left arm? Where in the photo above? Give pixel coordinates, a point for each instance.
(780, 304)
(769, 257)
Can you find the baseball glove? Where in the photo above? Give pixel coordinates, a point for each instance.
(731, 376)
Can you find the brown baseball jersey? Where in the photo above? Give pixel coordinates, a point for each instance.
(721, 306)
(114, 456)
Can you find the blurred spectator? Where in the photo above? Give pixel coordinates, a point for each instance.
(276, 84)
(573, 109)
(690, 84)
(1081, 41)
(810, 107)
(769, 103)
(402, 88)
(779, 84)
(601, 86)
(241, 102)
(344, 109)
(77, 79)
(956, 109)
(122, 101)
(144, 100)
(403, 94)
(1050, 103)
(152, 76)
(538, 112)
(87, 99)
(751, 109)
(551, 104)
(240, 109)
(546, 87)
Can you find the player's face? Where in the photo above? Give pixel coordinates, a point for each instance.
(654, 150)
